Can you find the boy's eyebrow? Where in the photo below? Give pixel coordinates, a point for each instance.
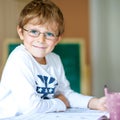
(47, 30)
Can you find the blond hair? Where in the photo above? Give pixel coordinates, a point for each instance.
(45, 11)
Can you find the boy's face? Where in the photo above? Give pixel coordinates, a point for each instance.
(39, 40)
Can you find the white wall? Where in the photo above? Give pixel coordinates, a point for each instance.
(105, 44)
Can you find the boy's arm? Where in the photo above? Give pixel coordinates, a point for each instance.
(97, 103)
(63, 99)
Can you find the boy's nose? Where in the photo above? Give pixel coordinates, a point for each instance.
(41, 38)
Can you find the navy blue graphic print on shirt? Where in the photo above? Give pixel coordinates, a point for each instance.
(47, 87)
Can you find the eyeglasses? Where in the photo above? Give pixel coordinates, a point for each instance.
(36, 33)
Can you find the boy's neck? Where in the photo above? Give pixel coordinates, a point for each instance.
(41, 60)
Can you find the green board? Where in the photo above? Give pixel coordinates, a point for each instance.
(11, 47)
(70, 57)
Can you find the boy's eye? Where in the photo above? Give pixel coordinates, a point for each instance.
(34, 32)
(50, 34)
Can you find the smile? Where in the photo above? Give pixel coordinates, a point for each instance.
(39, 47)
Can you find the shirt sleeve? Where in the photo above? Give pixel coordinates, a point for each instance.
(75, 99)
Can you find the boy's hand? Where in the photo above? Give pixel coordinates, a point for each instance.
(98, 103)
(62, 97)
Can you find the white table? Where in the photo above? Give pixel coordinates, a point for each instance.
(70, 114)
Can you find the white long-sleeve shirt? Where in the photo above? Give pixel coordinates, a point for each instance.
(27, 86)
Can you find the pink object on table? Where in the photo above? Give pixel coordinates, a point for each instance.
(113, 104)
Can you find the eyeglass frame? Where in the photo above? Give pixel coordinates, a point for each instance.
(45, 33)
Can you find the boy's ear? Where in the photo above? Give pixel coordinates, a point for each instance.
(20, 32)
(58, 40)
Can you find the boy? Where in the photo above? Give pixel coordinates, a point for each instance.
(33, 79)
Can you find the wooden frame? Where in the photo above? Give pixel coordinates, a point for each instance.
(85, 80)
